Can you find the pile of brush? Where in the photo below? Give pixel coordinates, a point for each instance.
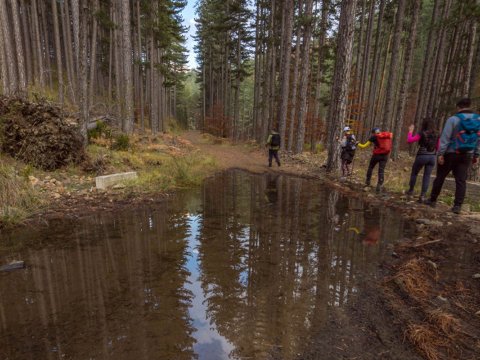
(38, 134)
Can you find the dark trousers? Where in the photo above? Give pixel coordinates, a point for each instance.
(381, 160)
(422, 161)
(458, 164)
(273, 154)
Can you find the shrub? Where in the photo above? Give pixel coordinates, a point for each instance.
(121, 143)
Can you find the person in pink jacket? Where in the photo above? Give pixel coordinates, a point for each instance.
(426, 155)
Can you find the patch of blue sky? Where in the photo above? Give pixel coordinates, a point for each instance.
(189, 22)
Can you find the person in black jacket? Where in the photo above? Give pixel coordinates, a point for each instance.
(427, 139)
(273, 143)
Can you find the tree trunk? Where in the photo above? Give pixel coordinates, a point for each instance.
(58, 52)
(341, 81)
(372, 91)
(22, 81)
(304, 79)
(405, 83)
(321, 52)
(82, 73)
(4, 65)
(9, 53)
(296, 66)
(127, 69)
(427, 61)
(285, 70)
(67, 44)
(93, 55)
(38, 44)
(392, 76)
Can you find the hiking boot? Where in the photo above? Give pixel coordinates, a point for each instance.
(409, 193)
(457, 209)
(431, 203)
(379, 188)
(421, 199)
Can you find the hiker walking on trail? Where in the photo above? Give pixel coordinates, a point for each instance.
(382, 146)
(459, 147)
(349, 145)
(273, 143)
(426, 155)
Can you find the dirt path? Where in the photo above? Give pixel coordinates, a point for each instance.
(239, 156)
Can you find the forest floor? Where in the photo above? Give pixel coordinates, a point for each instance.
(429, 298)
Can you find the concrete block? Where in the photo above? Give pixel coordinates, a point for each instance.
(102, 182)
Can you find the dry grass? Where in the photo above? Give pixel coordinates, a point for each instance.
(18, 198)
(445, 321)
(416, 279)
(426, 340)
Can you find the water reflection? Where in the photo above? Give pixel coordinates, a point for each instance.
(246, 268)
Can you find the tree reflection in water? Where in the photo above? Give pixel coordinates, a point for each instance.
(249, 267)
(276, 254)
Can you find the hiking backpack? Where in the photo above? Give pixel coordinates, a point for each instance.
(350, 144)
(384, 146)
(468, 133)
(275, 140)
(429, 141)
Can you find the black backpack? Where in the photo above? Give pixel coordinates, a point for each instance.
(350, 144)
(275, 140)
(429, 140)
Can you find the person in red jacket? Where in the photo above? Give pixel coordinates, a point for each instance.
(382, 145)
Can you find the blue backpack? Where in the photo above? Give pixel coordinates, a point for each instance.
(468, 133)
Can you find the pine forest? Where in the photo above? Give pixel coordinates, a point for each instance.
(304, 67)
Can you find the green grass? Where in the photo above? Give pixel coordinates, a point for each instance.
(18, 199)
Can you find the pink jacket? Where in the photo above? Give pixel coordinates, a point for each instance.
(415, 138)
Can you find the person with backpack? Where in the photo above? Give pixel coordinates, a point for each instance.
(349, 145)
(382, 146)
(459, 147)
(273, 143)
(426, 155)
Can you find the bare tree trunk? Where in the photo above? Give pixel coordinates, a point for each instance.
(321, 52)
(27, 42)
(304, 79)
(296, 66)
(407, 73)
(285, 70)
(372, 91)
(67, 44)
(83, 71)
(93, 55)
(427, 61)
(392, 76)
(9, 53)
(58, 51)
(76, 28)
(4, 65)
(140, 80)
(38, 43)
(366, 62)
(22, 81)
(341, 81)
(127, 69)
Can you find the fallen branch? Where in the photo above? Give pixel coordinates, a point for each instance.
(427, 243)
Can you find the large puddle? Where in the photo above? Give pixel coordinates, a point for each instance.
(244, 268)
